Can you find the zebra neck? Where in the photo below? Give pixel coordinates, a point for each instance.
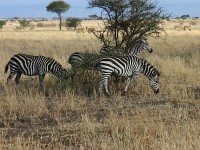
(136, 49)
(147, 68)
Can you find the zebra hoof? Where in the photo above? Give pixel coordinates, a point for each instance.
(108, 94)
(136, 93)
(124, 93)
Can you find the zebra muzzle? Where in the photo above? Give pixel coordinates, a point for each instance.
(156, 92)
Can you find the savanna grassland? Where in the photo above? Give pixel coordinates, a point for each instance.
(76, 118)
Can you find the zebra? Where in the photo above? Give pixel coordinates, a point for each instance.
(82, 60)
(126, 66)
(76, 57)
(33, 65)
(139, 46)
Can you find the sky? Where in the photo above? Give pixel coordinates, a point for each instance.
(37, 8)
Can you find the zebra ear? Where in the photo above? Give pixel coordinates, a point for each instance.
(158, 73)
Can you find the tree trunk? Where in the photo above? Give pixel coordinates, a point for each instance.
(60, 20)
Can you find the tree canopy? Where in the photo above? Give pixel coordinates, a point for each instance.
(58, 7)
(127, 21)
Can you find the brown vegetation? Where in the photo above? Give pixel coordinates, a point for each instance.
(80, 30)
(76, 118)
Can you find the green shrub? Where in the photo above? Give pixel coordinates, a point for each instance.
(2, 23)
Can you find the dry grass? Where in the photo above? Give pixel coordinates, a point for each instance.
(70, 119)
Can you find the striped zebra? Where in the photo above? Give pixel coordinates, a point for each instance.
(82, 60)
(76, 57)
(33, 65)
(127, 66)
(139, 46)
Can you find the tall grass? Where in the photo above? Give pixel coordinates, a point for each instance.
(64, 118)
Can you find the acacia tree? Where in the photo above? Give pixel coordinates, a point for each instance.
(127, 21)
(58, 7)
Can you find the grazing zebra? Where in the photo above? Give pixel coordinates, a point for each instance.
(33, 65)
(127, 66)
(76, 57)
(82, 60)
(140, 45)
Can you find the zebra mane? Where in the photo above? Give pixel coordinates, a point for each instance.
(52, 59)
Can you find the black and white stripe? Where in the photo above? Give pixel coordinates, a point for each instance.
(76, 57)
(126, 66)
(33, 65)
(81, 60)
(139, 46)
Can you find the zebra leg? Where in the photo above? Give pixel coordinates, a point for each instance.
(11, 75)
(135, 78)
(41, 80)
(103, 81)
(127, 84)
(100, 87)
(106, 87)
(17, 78)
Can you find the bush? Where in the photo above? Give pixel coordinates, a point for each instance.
(73, 22)
(24, 23)
(2, 23)
(45, 25)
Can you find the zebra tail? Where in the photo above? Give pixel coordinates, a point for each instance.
(97, 65)
(6, 67)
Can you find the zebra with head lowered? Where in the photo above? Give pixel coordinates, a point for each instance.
(82, 60)
(127, 66)
(33, 65)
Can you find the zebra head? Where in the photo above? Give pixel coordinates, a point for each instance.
(154, 81)
(58, 71)
(145, 45)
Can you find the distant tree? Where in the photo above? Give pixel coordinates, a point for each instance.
(73, 22)
(196, 18)
(2, 23)
(93, 17)
(58, 7)
(185, 16)
(24, 23)
(16, 18)
(127, 21)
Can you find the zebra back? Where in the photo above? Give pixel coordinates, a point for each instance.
(109, 51)
(76, 57)
(139, 46)
(83, 60)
